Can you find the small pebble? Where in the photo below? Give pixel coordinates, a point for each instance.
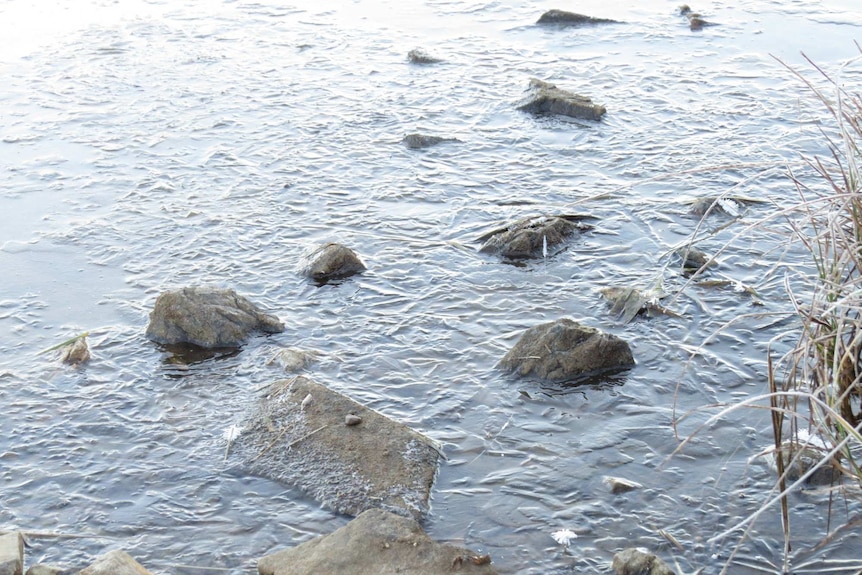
(306, 402)
(352, 419)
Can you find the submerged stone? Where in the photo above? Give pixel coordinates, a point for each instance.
(531, 237)
(301, 435)
(420, 56)
(693, 259)
(376, 543)
(207, 317)
(633, 561)
(545, 98)
(561, 17)
(331, 262)
(419, 141)
(627, 302)
(562, 350)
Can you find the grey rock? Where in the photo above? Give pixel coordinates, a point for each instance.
(375, 543)
(348, 468)
(11, 553)
(331, 262)
(634, 561)
(419, 141)
(545, 98)
(420, 56)
(527, 238)
(561, 17)
(207, 317)
(562, 350)
(115, 562)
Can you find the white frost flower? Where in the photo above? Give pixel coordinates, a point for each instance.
(564, 536)
(544, 246)
(729, 206)
(232, 432)
(738, 286)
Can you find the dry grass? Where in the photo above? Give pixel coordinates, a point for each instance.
(816, 388)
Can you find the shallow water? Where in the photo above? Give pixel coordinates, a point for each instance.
(160, 145)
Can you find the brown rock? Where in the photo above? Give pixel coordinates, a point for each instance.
(376, 543)
(561, 17)
(633, 561)
(331, 262)
(348, 468)
(115, 562)
(562, 350)
(545, 98)
(207, 317)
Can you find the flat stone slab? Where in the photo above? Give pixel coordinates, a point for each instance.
(545, 98)
(376, 543)
(207, 317)
(344, 455)
(562, 350)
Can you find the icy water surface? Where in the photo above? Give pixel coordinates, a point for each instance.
(155, 145)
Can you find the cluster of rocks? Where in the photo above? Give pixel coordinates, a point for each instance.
(695, 20)
(354, 460)
(116, 562)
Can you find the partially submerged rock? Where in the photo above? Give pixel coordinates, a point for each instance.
(115, 562)
(76, 352)
(695, 21)
(207, 317)
(633, 561)
(545, 98)
(531, 237)
(628, 302)
(562, 350)
(418, 141)
(727, 205)
(331, 262)
(692, 259)
(293, 359)
(563, 18)
(301, 436)
(800, 459)
(375, 543)
(420, 56)
(620, 485)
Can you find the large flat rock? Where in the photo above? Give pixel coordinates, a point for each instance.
(375, 543)
(346, 456)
